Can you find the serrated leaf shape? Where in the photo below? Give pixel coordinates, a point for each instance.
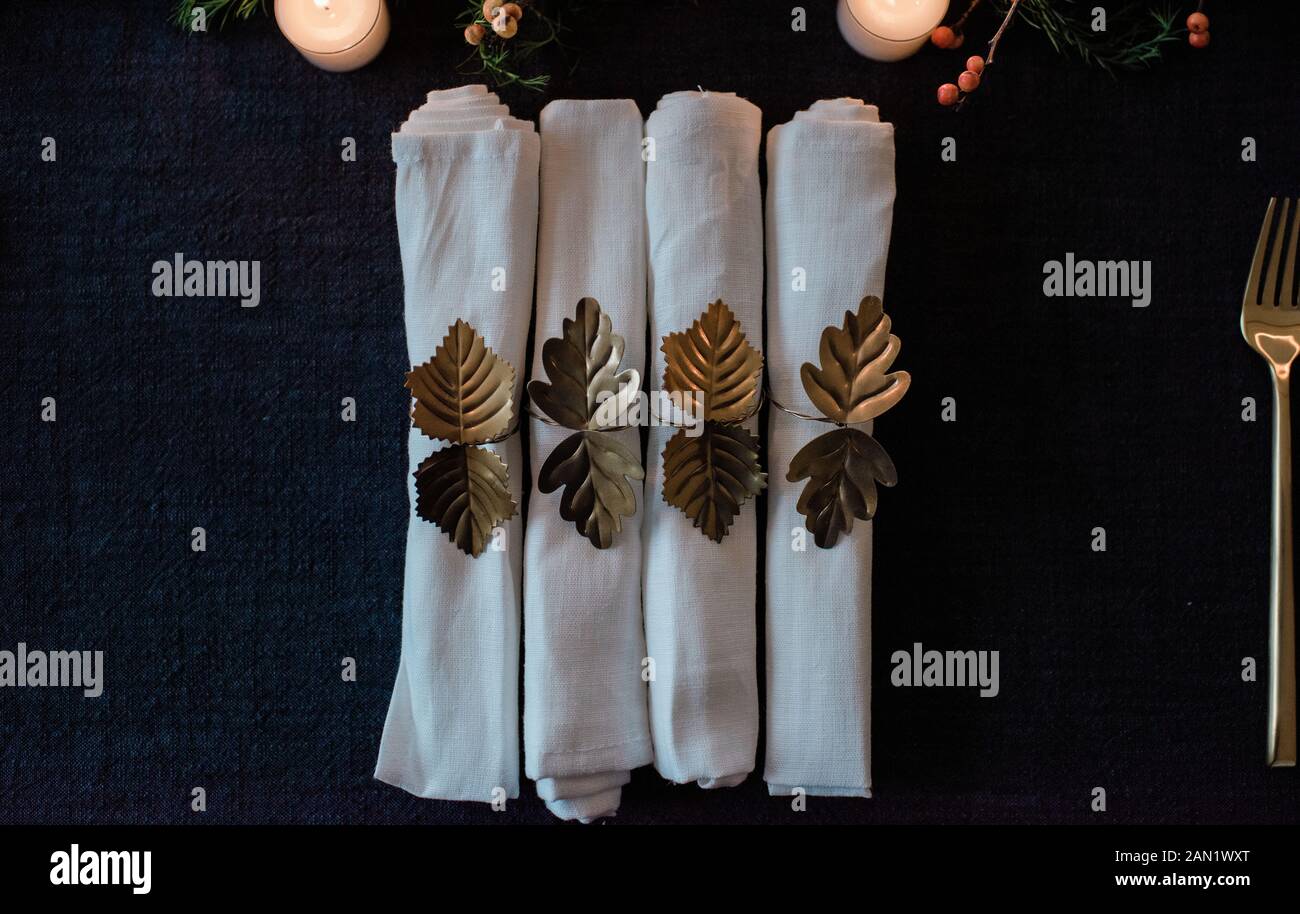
(465, 491)
(714, 357)
(710, 476)
(854, 383)
(582, 365)
(464, 393)
(843, 467)
(593, 468)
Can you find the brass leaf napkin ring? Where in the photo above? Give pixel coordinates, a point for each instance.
(709, 475)
(852, 385)
(592, 465)
(463, 396)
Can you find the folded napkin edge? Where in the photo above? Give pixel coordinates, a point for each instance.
(503, 145)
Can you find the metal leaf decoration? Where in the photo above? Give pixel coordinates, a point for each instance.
(854, 383)
(463, 394)
(843, 467)
(463, 490)
(593, 468)
(714, 357)
(582, 365)
(711, 475)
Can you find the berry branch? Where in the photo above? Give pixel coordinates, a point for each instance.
(997, 36)
(957, 26)
(1132, 37)
(969, 80)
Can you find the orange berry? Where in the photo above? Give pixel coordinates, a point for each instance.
(475, 33)
(1198, 39)
(961, 40)
(969, 81)
(503, 25)
(1197, 23)
(943, 37)
(975, 64)
(947, 94)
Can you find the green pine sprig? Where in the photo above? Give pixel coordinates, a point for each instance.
(219, 11)
(1135, 35)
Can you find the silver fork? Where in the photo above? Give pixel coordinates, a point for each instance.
(1270, 321)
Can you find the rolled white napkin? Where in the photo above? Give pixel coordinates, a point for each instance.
(480, 104)
(463, 103)
(830, 198)
(463, 125)
(466, 207)
(477, 103)
(462, 114)
(585, 722)
(840, 109)
(469, 90)
(705, 229)
(456, 107)
(460, 111)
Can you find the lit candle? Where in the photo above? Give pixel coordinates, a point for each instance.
(335, 35)
(889, 29)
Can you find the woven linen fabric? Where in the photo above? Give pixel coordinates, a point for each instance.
(463, 125)
(705, 231)
(830, 199)
(456, 115)
(585, 723)
(462, 113)
(466, 223)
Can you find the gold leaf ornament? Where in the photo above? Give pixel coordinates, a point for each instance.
(711, 475)
(464, 393)
(584, 392)
(853, 384)
(843, 467)
(582, 365)
(714, 358)
(465, 491)
(463, 396)
(593, 468)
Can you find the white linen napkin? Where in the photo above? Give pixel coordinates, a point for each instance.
(466, 206)
(462, 114)
(830, 198)
(464, 101)
(585, 722)
(460, 111)
(839, 109)
(466, 125)
(705, 229)
(469, 90)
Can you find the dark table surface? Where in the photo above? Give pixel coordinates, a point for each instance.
(1119, 669)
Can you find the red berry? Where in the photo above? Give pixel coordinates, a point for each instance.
(943, 37)
(975, 64)
(1198, 39)
(947, 94)
(961, 40)
(1197, 23)
(969, 81)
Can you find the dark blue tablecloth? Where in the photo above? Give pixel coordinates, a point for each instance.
(1119, 670)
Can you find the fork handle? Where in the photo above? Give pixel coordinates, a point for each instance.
(1281, 610)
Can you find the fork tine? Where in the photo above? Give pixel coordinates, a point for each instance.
(1270, 281)
(1257, 265)
(1288, 295)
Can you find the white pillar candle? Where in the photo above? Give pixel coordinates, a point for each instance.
(889, 29)
(335, 35)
